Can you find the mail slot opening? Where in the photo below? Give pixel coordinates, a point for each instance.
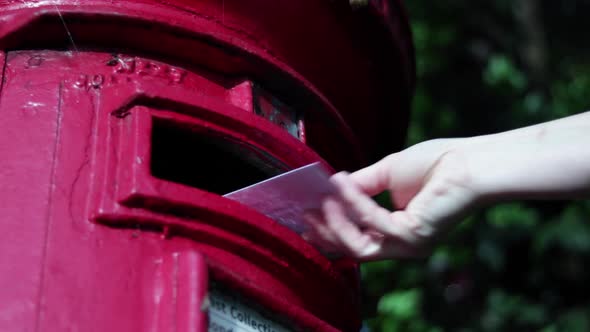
(200, 158)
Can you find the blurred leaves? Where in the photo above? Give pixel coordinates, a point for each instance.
(517, 266)
(501, 72)
(505, 309)
(513, 215)
(402, 304)
(570, 232)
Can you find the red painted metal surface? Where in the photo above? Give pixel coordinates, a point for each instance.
(115, 150)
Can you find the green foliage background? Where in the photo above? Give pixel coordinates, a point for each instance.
(483, 67)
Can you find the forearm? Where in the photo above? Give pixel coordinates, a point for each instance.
(548, 161)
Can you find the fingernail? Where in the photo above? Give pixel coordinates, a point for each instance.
(340, 175)
(340, 178)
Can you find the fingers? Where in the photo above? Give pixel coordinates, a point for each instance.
(387, 234)
(367, 231)
(319, 233)
(412, 237)
(366, 211)
(433, 192)
(350, 237)
(369, 244)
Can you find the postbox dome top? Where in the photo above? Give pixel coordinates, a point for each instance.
(355, 66)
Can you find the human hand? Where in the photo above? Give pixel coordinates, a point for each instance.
(430, 187)
(435, 183)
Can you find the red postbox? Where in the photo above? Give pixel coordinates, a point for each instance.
(123, 122)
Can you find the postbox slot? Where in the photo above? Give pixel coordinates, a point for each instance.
(201, 158)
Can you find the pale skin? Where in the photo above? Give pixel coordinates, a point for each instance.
(435, 183)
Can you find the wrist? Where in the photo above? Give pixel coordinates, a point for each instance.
(481, 161)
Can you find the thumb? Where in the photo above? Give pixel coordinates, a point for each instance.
(407, 237)
(439, 204)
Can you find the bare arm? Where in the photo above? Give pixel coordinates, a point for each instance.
(435, 183)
